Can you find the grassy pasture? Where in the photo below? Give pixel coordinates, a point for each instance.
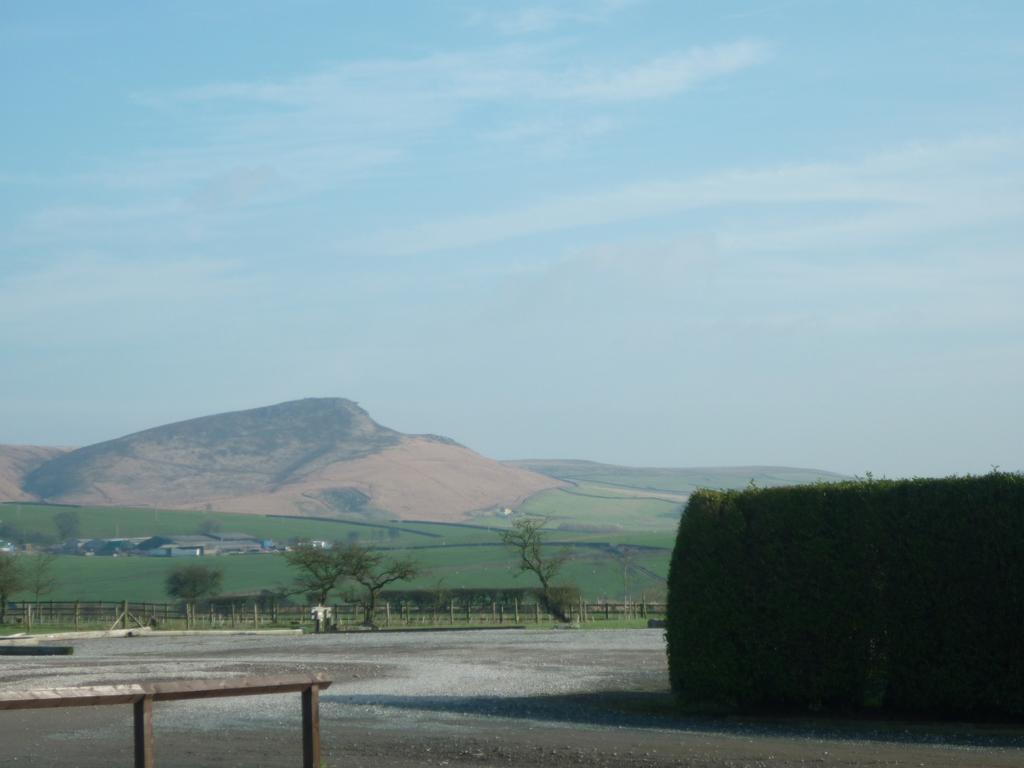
(455, 555)
(599, 574)
(592, 505)
(110, 522)
(676, 480)
(571, 510)
(605, 505)
(142, 578)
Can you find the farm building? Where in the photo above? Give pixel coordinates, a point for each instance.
(201, 545)
(108, 547)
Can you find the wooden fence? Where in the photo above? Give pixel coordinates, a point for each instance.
(219, 614)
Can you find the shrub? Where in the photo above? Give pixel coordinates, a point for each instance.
(907, 595)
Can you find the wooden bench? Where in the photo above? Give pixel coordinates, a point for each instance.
(142, 696)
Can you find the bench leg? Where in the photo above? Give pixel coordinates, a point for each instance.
(311, 727)
(144, 732)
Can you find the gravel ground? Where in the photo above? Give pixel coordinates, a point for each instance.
(520, 698)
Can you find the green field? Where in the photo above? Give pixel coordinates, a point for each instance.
(573, 515)
(110, 522)
(597, 573)
(454, 556)
(676, 480)
(605, 508)
(587, 505)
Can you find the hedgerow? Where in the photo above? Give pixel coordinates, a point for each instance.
(906, 596)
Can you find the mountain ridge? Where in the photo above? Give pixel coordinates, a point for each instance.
(327, 457)
(319, 456)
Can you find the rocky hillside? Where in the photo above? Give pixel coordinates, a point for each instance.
(323, 457)
(16, 461)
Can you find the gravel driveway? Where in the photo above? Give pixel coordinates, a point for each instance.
(509, 697)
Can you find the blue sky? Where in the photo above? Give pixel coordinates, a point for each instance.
(653, 233)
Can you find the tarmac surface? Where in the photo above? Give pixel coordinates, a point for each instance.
(480, 698)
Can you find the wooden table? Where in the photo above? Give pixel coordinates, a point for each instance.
(142, 695)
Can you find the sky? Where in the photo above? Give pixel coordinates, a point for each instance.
(651, 233)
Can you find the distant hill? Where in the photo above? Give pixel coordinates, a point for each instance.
(681, 481)
(16, 461)
(320, 456)
(325, 457)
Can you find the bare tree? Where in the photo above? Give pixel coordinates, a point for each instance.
(526, 538)
(69, 526)
(11, 581)
(320, 571)
(38, 578)
(193, 581)
(374, 571)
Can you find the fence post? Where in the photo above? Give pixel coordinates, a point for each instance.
(501, 613)
(28, 616)
(311, 727)
(536, 608)
(143, 728)
(76, 615)
(451, 611)
(255, 615)
(124, 615)
(515, 604)
(387, 613)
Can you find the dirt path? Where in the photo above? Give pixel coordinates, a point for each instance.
(517, 698)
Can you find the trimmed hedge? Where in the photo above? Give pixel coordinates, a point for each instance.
(899, 595)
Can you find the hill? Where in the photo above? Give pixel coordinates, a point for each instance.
(612, 498)
(320, 457)
(16, 461)
(682, 480)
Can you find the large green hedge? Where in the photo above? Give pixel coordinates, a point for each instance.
(903, 595)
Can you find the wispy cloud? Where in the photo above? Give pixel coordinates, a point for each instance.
(553, 136)
(544, 18)
(667, 75)
(916, 189)
(72, 217)
(278, 139)
(515, 71)
(73, 294)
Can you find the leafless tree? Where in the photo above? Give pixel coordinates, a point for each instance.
(11, 581)
(526, 538)
(193, 581)
(69, 525)
(38, 575)
(320, 571)
(374, 570)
